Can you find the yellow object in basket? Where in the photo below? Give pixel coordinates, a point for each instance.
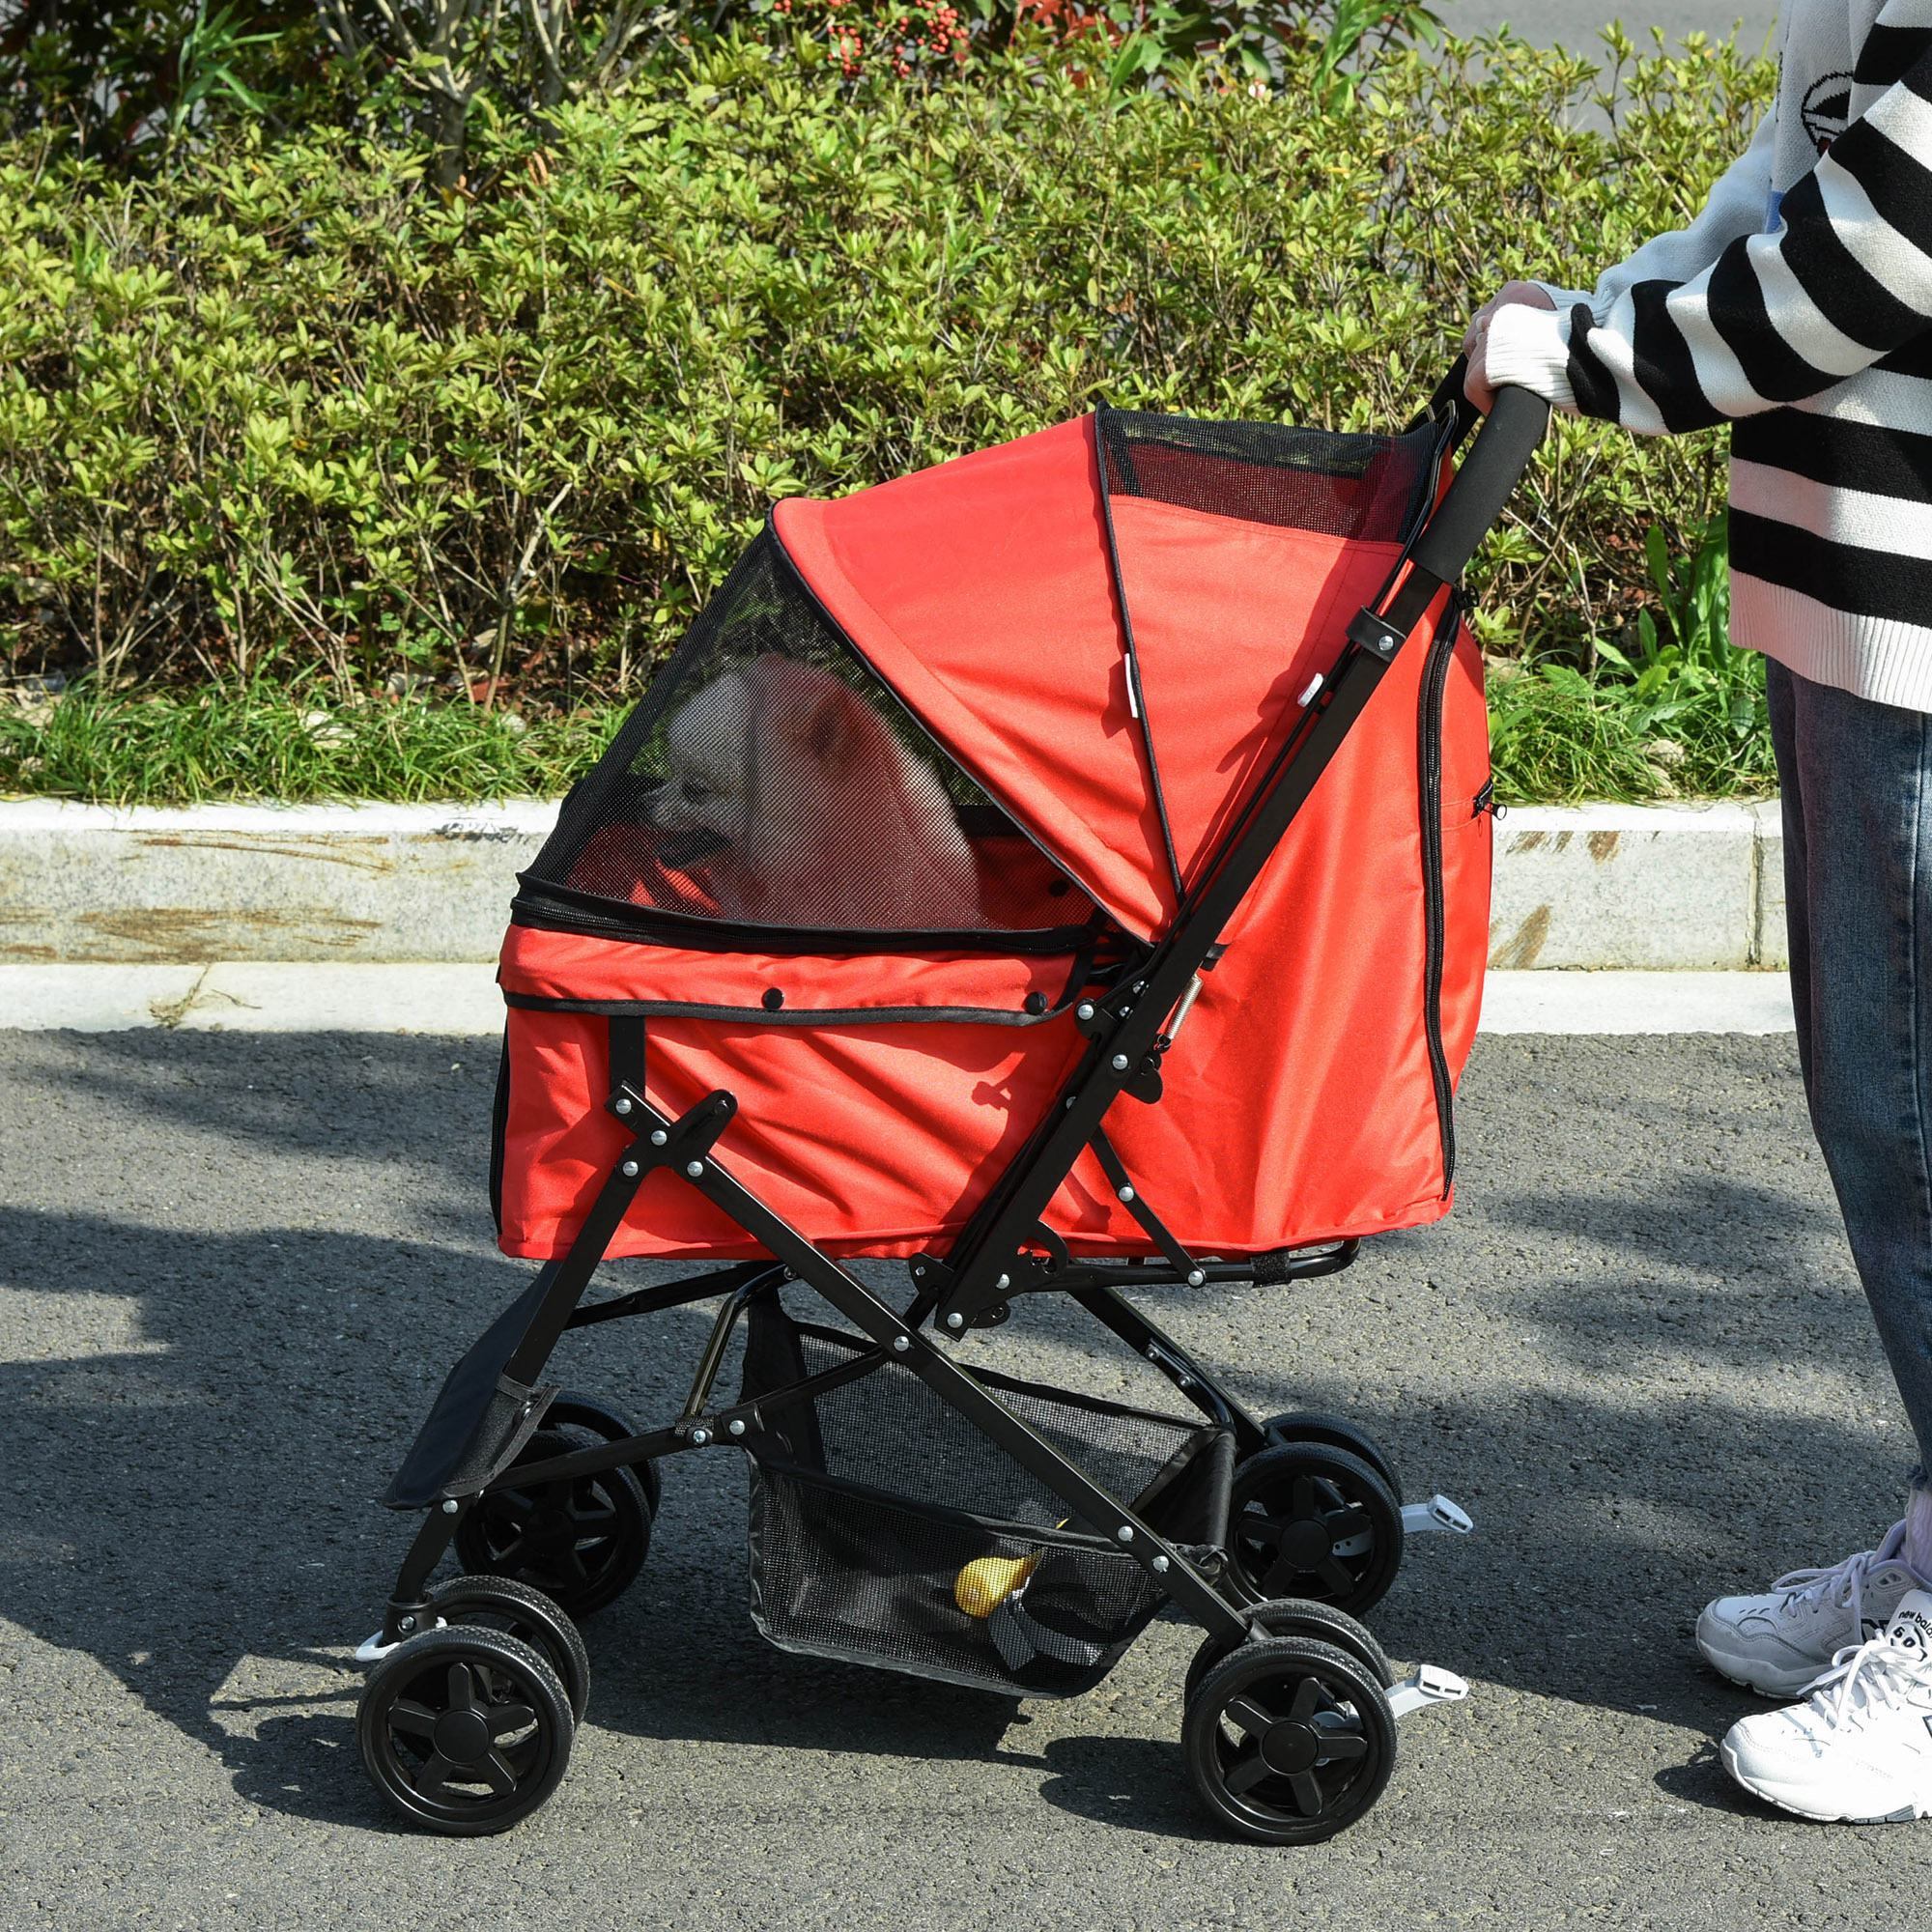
(983, 1586)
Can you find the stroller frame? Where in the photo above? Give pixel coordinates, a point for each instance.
(495, 1400)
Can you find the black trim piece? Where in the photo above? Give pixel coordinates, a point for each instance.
(1429, 762)
(544, 907)
(1137, 702)
(693, 1010)
(500, 1127)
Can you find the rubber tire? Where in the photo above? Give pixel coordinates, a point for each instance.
(1266, 1664)
(1299, 1616)
(631, 1531)
(530, 1681)
(534, 1619)
(1313, 1425)
(1358, 1483)
(572, 1410)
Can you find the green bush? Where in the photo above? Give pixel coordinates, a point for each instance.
(297, 406)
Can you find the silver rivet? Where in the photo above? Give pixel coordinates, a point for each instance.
(956, 1320)
(659, 1137)
(1005, 1281)
(1084, 1010)
(900, 1345)
(1195, 1277)
(1158, 1566)
(1120, 1062)
(630, 1170)
(623, 1105)
(700, 1436)
(1125, 1532)
(736, 1426)
(1125, 1011)
(450, 1507)
(693, 1168)
(1140, 985)
(407, 1624)
(1126, 1193)
(919, 1274)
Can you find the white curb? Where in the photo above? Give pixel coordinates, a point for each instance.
(285, 997)
(1598, 886)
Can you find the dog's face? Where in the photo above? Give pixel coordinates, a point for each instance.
(706, 793)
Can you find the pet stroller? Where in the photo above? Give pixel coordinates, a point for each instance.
(1065, 871)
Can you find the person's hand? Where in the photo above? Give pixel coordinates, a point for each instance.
(1476, 385)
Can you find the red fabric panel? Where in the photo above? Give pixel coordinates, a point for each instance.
(980, 591)
(1300, 1104)
(1230, 622)
(868, 1139)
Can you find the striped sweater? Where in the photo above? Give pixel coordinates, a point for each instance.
(1798, 307)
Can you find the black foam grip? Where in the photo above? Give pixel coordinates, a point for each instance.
(1484, 482)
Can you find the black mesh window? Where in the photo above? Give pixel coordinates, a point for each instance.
(769, 779)
(1368, 488)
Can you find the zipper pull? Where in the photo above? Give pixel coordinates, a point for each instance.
(1486, 801)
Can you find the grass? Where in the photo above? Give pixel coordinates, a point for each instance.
(1556, 735)
(288, 743)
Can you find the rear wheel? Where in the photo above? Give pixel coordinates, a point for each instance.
(580, 1540)
(1288, 1741)
(1311, 1520)
(1299, 1616)
(464, 1731)
(1313, 1425)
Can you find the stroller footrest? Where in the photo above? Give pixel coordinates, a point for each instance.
(1427, 1687)
(1437, 1516)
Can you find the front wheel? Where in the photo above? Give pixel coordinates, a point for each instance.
(464, 1731)
(518, 1610)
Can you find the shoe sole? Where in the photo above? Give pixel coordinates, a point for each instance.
(1905, 1815)
(1735, 1670)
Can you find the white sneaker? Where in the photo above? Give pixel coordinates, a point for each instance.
(1859, 1747)
(1780, 1643)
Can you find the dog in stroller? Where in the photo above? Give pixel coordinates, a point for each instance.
(775, 773)
(1063, 871)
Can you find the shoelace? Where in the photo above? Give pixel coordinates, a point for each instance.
(1877, 1674)
(1843, 1583)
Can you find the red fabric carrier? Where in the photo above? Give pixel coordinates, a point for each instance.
(942, 758)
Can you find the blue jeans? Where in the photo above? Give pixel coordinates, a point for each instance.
(1857, 778)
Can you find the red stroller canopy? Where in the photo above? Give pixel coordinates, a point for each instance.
(983, 592)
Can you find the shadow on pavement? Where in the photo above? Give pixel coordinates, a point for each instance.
(248, 1260)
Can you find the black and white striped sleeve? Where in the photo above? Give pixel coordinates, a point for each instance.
(1842, 283)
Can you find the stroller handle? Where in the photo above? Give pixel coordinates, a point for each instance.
(1484, 481)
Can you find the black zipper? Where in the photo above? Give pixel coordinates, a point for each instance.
(1434, 683)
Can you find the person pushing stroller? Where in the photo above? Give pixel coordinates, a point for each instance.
(1798, 305)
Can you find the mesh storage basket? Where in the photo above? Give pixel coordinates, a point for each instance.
(886, 1530)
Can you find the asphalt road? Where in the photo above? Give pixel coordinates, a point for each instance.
(1575, 23)
(233, 1269)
